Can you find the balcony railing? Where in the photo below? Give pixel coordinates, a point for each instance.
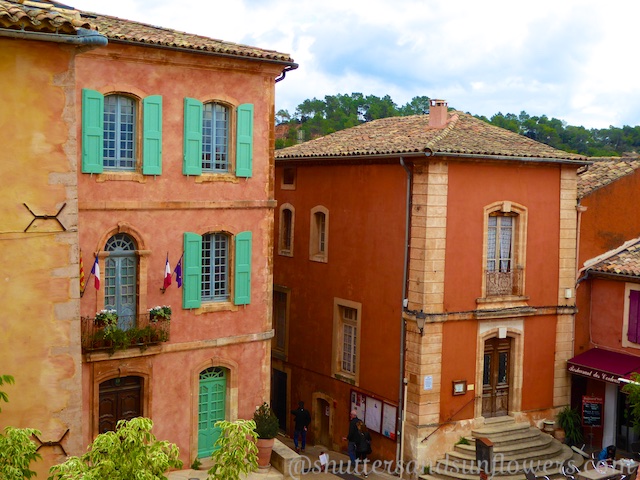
(501, 284)
(141, 331)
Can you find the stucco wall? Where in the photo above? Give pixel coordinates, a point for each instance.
(39, 267)
(157, 210)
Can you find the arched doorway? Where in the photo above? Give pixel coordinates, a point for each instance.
(323, 417)
(211, 407)
(119, 399)
(120, 278)
(496, 377)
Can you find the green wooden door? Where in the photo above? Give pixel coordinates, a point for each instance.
(211, 408)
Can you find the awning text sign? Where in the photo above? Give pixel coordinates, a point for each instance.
(594, 373)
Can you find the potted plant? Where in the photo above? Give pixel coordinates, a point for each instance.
(106, 318)
(267, 426)
(161, 312)
(570, 422)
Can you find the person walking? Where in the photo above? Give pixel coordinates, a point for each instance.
(352, 436)
(363, 446)
(301, 421)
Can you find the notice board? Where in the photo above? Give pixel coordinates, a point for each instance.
(591, 411)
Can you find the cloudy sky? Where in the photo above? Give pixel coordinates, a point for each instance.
(576, 60)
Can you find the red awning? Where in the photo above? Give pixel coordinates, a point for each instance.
(604, 365)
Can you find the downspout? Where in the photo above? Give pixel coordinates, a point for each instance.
(286, 69)
(403, 381)
(84, 36)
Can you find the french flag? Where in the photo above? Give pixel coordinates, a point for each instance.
(95, 271)
(167, 273)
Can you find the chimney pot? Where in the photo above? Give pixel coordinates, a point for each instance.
(437, 113)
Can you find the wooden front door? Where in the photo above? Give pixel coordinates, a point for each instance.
(120, 399)
(211, 408)
(496, 377)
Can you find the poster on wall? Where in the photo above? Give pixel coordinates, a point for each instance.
(591, 411)
(358, 404)
(374, 414)
(389, 417)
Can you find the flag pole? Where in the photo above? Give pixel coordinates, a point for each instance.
(163, 288)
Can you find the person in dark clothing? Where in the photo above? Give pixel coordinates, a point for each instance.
(363, 446)
(301, 421)
(352, 436)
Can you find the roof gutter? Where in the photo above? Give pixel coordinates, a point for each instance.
(84, 36)
(205, 52)
(392, 157)
(288, 68)
(509, 157)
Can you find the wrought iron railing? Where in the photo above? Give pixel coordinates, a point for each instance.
(504, 283)
(133, 331)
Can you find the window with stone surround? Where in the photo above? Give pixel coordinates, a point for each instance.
(319, 234)
(285, 232)
(505, 226)
(631, 316)
(346, 340)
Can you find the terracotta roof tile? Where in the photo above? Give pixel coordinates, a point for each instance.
(130, 31)
(43, 16)
(604, 171)
(463, 134)
(52, 17)
(625, 261)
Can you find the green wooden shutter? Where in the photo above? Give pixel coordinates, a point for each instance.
(244, 148)
(92, 131)
(242, 287)
(192, 271)
(152, 135)
(192, 164)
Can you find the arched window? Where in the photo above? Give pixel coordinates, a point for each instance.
(120, 279)
(319, 234)
(285, 239)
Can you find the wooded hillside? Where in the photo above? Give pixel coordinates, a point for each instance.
(314, 118)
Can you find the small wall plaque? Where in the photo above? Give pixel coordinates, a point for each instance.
(459, 387)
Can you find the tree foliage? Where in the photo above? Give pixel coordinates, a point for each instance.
(632, 389)
(17, 451)
(236, 452)
(131, 452)
(314, 118)
(5, 379)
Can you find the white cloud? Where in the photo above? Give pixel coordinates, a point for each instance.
(569, 59)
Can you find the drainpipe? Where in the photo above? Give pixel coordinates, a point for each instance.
(84, 36)
(288, 68)
(403, 381)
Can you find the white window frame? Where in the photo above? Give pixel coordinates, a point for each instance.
(339, 322)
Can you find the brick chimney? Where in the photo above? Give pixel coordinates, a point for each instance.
(437, 113)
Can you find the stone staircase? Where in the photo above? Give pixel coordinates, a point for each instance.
(516, 447)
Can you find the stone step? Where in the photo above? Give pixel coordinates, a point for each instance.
(516, 444)
(498, 430)
(512, 437)
(504, 468)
